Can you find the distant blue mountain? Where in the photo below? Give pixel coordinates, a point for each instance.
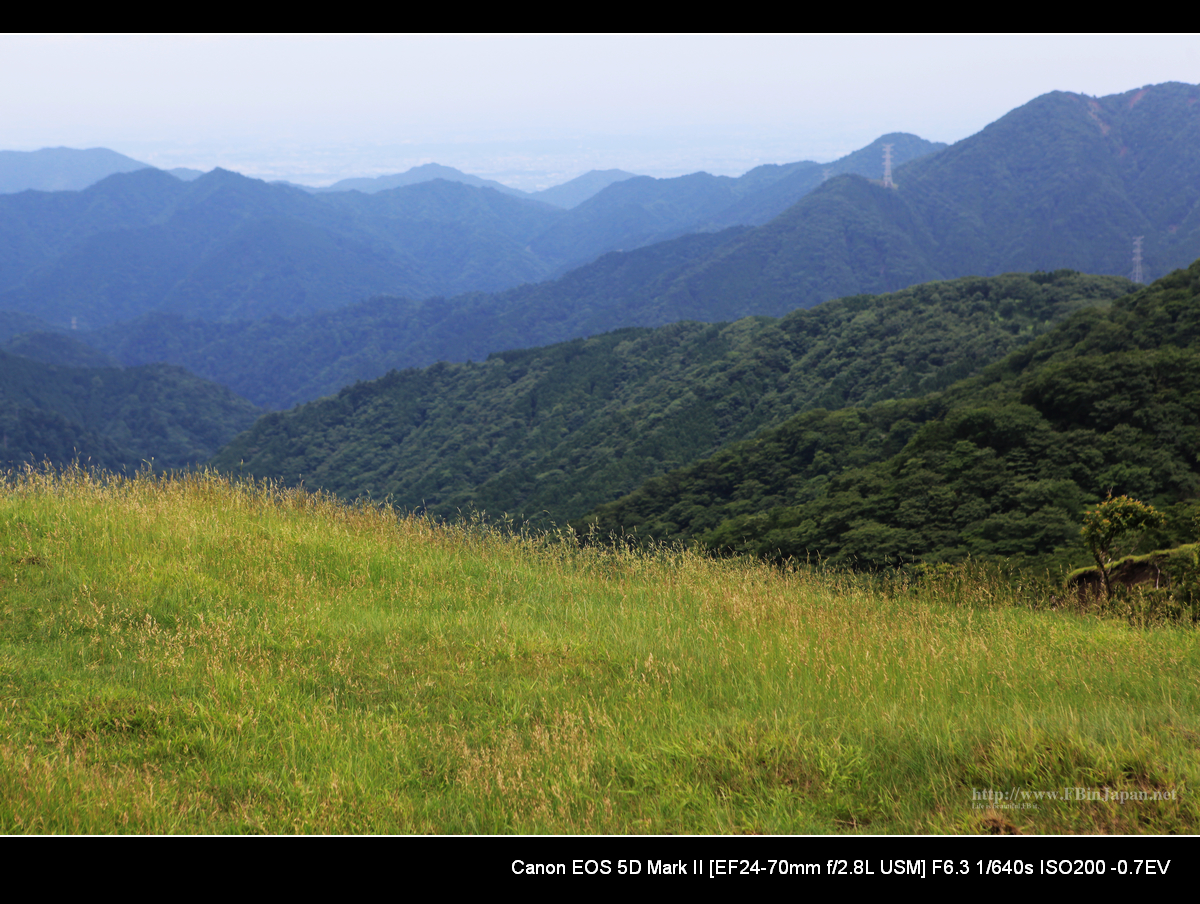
(221, 246)
(424, 173)
(61, 169)
(576, 191)
(567, 195)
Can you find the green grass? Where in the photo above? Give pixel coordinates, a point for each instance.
(187, 655)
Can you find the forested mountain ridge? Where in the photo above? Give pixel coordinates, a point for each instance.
(1063, 181)
(223, 247)
(641, 211)
(549, 433)
(58, 348)
(1065, 178)
(998, 465)
(1071, 175)
(575, 191)
(116, 418)
(763, 204)
(278, 362)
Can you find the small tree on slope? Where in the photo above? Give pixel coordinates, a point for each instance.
(1110, 525)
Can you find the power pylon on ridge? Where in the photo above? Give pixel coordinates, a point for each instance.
(887, 166)
(1137, 259)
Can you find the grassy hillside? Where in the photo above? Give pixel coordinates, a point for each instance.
(187, 656)
(999, 465)
(550, 433)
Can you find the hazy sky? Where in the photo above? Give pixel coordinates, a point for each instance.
(532, 111)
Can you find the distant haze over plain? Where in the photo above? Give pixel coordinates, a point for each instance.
(535, 111)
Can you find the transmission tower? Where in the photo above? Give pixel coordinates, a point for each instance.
(887, 166)
(1137, 259)
(825, 174)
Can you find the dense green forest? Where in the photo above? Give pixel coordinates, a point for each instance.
(549, 433)
(59, 348)
(998, 465)
(113, 417)
(14, 324)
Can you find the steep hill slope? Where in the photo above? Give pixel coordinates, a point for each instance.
(762, 204)
(641, 211)
(1064, 181)
(59, 348)
(14, 324)
(552, 432)
(1000, 465)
